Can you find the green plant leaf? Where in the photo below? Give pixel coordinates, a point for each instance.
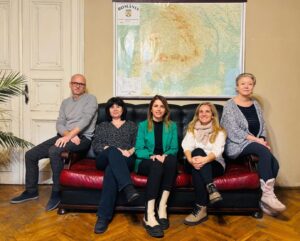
(8, 140)
(11, 84)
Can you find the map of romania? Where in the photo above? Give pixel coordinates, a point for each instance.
(178, 49)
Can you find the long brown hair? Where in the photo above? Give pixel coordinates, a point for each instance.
(166, 117)
(215, 121)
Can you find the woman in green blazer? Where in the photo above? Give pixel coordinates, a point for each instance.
(156, 150)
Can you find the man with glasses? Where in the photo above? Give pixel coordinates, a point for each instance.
(75, 127)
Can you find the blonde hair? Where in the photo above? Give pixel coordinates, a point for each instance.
(251, 76)
(166, 117)
(216, 128)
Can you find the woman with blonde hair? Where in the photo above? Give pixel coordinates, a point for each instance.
(243, 120)
(156, 150)
(203, 146)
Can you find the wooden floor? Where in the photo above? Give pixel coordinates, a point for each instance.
(29, 221)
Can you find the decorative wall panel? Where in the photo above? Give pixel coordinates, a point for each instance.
(42, 130)
(47, 35)
(47, 94)
(4, 35)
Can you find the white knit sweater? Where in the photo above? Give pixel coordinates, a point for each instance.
(190, 143)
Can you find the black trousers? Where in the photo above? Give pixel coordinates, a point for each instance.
(116, 177)
(47, 149)
(161, 176)
(268, 166)
(203, 176)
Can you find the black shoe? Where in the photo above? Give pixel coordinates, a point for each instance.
(164, 223)
(101, 225)
(131, 193)
(25, 196)
(53, 201)
(155, 231)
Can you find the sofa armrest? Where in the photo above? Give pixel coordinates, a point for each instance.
(69, 158)
(252, 161)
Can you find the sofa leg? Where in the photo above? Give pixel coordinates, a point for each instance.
(61, 211)
(257, 214)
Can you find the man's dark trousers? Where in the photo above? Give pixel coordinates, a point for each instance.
(47, 149)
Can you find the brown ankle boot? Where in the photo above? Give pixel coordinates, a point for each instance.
(214, 195)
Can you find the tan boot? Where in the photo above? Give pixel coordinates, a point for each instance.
(162, 210)
(214, 195)
(198, 215)
(268, 197)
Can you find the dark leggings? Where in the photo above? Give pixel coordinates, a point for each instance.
(268, 166)
(204, 176)
(161, 176)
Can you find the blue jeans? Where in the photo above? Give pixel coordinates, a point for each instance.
(116, 177)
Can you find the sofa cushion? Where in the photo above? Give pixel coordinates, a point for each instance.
(237, 177)
(182, 180)
(83, 174)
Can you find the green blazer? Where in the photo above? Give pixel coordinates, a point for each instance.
(145, 141)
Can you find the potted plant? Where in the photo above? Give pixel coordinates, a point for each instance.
(11, 84)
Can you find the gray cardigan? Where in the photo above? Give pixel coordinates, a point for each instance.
(237, 129)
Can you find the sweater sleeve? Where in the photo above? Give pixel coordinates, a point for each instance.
(263, 132)
(61, 120)
(188, 142)
(88, 112)
(99, 142)
(218, 145)
(230, 122)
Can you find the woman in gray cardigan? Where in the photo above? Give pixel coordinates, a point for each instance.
(246, 134)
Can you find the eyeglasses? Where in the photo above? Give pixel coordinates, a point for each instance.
(78, 84)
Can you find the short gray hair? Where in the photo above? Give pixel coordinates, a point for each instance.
(251, 76)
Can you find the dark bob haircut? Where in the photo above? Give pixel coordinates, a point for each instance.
(115, 101)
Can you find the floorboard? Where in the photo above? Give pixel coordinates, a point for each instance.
(29, 221)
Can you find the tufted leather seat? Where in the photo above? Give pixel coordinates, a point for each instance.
(84, 174)
(239, 181)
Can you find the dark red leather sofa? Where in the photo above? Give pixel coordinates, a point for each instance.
(81, 182)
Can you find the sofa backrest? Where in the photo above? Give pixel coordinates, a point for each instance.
(181, 114)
